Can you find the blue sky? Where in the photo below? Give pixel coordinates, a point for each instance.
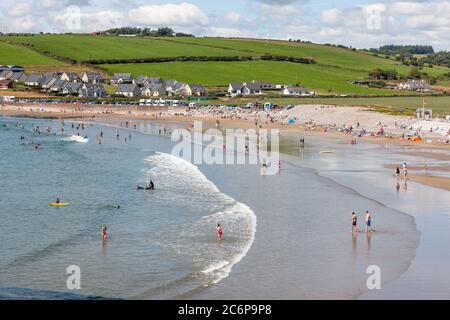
(358, 23)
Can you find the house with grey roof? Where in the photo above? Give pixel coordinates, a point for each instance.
(71, 88)
(18, 77)
(119, 78)
(140, 80)
(33, 80)
(264, 85)
(71, 77)
(57, 85)
(244, 89)
(91, 77)
(175, 88)
(154, 90)
(6, 74)
(91, 90)
(129, 90)
(196, 90)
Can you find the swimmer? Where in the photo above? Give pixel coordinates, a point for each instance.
(104, 232)
(219, 232)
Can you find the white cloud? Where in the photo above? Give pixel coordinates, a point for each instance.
(231, 32)
(20, 9)
(280, 11)
(24, 24)
(330, 15)
(89, 21)
(49, 3)
(184, 14)
(233, 17)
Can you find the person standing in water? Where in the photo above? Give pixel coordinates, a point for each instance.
(219, 232)
(368, 221)
(104, 232)
(354, 222)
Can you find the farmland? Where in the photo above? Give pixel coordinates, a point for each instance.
(326, 80)
(10, 54)
(331, 73)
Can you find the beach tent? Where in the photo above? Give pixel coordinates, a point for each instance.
(291, 121)
(268, 106)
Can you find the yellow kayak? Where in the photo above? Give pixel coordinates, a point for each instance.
(61, 204)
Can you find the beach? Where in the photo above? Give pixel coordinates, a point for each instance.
(312, 120)
(285, 236)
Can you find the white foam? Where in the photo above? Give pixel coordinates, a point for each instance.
(189, 178)
(76, 139)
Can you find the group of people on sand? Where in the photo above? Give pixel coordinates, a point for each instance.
(367, 220)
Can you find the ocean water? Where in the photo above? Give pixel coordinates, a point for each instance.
(286, 236)
(162, 243)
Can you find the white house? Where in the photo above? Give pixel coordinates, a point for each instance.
(244, 89)
(297, 91)
(196, 90)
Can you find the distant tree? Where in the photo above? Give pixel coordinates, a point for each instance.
(165, 32)
(414, 72)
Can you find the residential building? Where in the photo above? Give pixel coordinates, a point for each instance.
(297, 91)
(128, 90)
(196, 90)
(91, 90)
(33, 80)
(5, 84)
(91, 77)
(154, 90)
(119, 78)
(70, 77)
(71, 88)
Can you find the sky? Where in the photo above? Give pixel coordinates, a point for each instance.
(356, 23)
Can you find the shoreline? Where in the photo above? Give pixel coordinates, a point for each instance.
(102, 113)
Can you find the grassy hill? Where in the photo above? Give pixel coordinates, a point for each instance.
(10, 54)
(330, 74)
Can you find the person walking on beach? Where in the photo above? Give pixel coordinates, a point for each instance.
(368, 221)
(104, 232)
(219, 232)
(397, 172)
(354, 222)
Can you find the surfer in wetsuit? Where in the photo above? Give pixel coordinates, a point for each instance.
(151, 185)
(58, 201)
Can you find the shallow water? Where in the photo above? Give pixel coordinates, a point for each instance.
(286, 236)
(161, 244)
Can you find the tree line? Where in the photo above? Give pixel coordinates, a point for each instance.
(145, 32)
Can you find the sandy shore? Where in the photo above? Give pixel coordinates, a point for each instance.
(311, 120)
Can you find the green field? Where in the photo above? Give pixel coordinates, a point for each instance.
(82, 47)
(325, 80)
(10, 54)
(324, 55)
(330, 75)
